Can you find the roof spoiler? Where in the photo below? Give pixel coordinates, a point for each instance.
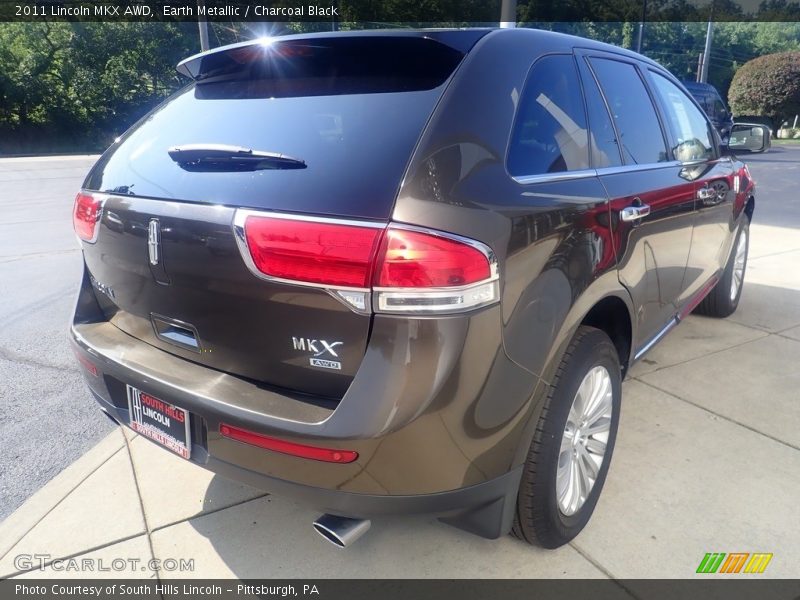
(227, 60)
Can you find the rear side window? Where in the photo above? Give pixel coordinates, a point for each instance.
(641, 137)
(549, 133)
(689, 126)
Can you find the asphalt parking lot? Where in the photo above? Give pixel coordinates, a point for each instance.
(707, 458)
(46, 419)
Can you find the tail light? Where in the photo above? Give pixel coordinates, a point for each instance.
(312, 252)
(404, 269)
(284, 447)
(86, 213)
(86, 363)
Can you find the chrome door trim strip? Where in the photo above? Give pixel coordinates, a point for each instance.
(644, 349)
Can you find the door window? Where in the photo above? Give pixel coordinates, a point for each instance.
(640, 133)
(689, 126)
(605, 150)
(549, 133)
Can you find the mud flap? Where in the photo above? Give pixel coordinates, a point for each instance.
(492, 520)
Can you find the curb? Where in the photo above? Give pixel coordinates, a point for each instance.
(19, 523)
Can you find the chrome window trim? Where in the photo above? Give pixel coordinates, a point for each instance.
(583, 173)
(642, 167)
(560, 176)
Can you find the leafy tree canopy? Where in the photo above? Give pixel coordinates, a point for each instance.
(76, 86)
(768, 85)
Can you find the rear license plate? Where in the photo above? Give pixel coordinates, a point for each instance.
(160, 421)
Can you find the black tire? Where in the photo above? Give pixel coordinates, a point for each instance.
(718, 303)
(539, 519)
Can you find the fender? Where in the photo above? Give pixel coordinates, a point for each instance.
(604, 287)
(535, 338)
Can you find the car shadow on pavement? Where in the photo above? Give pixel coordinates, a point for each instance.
(272, 536)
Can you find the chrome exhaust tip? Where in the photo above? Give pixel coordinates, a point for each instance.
(341, 531)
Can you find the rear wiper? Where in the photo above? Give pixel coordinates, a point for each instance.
(220, 157)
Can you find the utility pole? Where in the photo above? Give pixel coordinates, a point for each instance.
(703, 76)
(508, 14)
(202, 25)
(641, 27)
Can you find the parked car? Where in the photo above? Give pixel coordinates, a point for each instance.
(710, 101)
(405, 272)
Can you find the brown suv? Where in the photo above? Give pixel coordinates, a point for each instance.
(405, 272)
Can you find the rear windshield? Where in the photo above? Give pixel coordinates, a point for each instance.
(351, 109)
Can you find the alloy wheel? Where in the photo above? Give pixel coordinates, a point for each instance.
(738, 265)
(584, 441)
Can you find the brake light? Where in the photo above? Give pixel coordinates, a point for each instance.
(85, 214)
(412, 259)
(301, 450)
(312, 252)
(406, 269)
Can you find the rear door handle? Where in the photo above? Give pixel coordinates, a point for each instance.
(634, 212)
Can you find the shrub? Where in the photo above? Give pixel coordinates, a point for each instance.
(769, 86)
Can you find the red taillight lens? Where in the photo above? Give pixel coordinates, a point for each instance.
(85, 215)
(312, 252)
(284, 447)
(397, 269)
(412, 259)
(86, 363)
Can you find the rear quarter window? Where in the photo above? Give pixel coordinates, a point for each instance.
(550, 133)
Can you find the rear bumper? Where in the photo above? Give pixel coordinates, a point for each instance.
(485, 509)
(437, 414)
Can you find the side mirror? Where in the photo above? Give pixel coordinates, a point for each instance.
(748, 138)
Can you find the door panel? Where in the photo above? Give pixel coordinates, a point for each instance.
(692, 142)
(652, 249)
(713, 225)
(652, 252)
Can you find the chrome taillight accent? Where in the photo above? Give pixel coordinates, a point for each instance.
(437, 300)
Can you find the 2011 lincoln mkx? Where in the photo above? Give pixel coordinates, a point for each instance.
(404, 272)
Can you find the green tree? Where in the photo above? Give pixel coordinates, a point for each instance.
(768, 86)
(68, 86)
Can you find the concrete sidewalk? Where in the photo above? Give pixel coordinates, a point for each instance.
(707, 460)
